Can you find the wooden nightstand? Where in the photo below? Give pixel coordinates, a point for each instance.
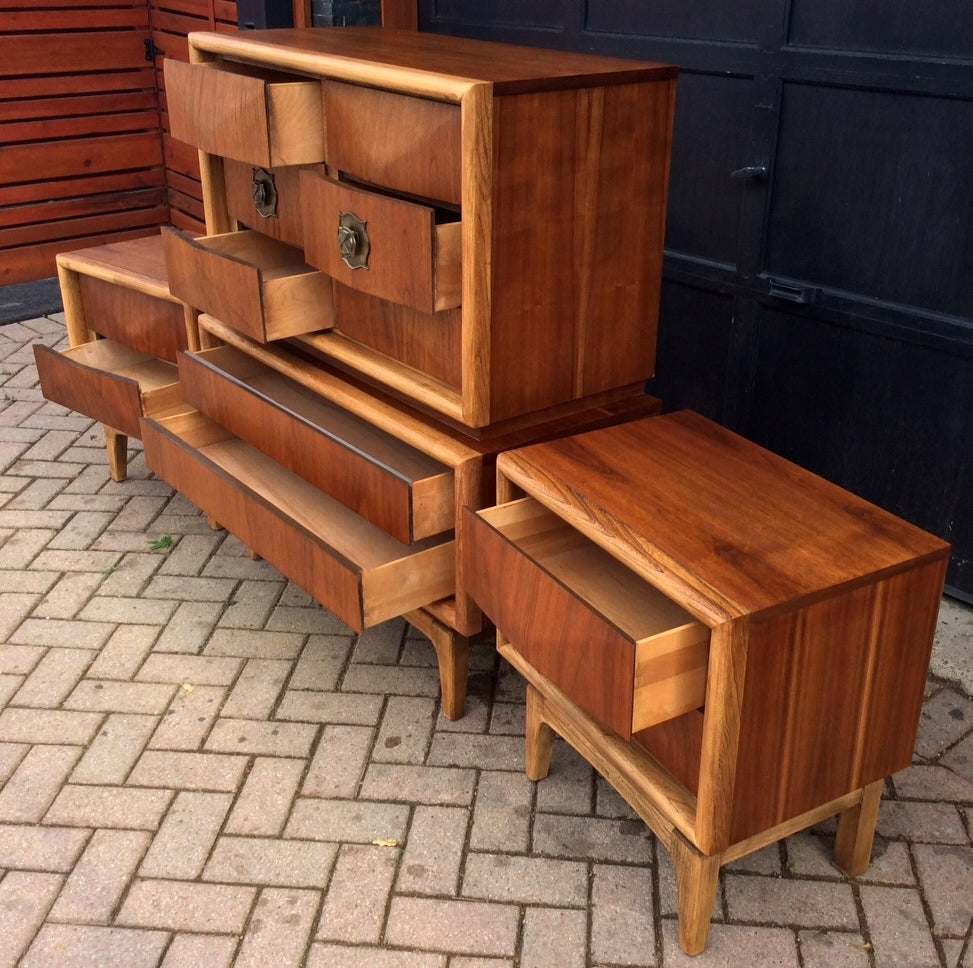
(738, 646)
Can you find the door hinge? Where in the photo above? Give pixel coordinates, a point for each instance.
(151, 51)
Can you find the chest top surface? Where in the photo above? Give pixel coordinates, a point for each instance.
(713, 518)
(373, 54)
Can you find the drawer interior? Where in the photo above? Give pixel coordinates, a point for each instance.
(404, 491)
(638, 610)
(116, 359)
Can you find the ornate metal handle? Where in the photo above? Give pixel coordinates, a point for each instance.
(264, 192)
(353, 243)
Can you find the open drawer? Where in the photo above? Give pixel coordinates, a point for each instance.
(354, 569)
(250, 113)
(108, 382)
(399, 489)
(385, 246)
(621, 650)
(259, 286)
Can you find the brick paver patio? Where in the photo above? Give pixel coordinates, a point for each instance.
(201, 767)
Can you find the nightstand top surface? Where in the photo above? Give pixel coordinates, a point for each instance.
(727, 527)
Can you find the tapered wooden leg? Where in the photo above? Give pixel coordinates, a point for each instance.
(540, 737)
(214, 525)
(116, 443)
(453, 655)
(697, 879)
(856, 831)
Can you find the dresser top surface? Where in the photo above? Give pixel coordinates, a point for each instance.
(696, 508)
(509, 68)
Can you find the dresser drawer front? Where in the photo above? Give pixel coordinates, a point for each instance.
(354, 570)
(247, 194)
(146, 323)
(108, 382)
(406, 144)
(396, 488)
(257, 285)
(622, 652)
(244, 112)
(412, 259)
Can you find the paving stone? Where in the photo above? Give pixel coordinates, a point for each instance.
(190, 627)
(124, 652)
(419, 784)
(55, 632)
(251, 604)
(108, 806)
(959, 759)
(8, 688)
(254, 644)
(732, 946)
(554, 938)
(139, 514)
(14, 609)
(216, 772)
(109, 696)
(811, 904)
(187, 906)
(282, 863)
(347, 821)
(25, 544)
(458, 927)
(946, 875)
(11, 755)
(380, 645)
(47, 848)
(263, 805)
(406, 730)
(200, 951)
(668, 892)
(434, 851)
(185, 837)
(934, 783)
(501, 815)
(48, 726)
(100, 877)
(26, 582)
(622, 919)
(946, 717)
(329, 707)
(25, 898)
(197, 670)
(66, 598)
(932, 823)
(507, 718)
(569, 787)
(833, 949)
(110, 756)
(104, 562)
(131, 573)
(623, 841)
(189, 555)
(279, 929)
(30, 791)
(256, 690)
(261, 738)
(341, 956)
(131, 611)
(526, 880)
(898, 927)
(78, 530)
(194, 587)
(391, 680)
(20, 659)
(339, 761)
(358, 895)
(189, 718)
(308, 620)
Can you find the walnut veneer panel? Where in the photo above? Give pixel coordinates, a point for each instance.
(246, 113)
(406, 144)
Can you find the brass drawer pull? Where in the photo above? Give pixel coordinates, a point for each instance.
(353, 243)
(264, 192)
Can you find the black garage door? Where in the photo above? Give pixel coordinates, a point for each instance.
(819, 253)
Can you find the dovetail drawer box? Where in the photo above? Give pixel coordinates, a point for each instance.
(491, 216)
(126, 330)
(782, 629)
